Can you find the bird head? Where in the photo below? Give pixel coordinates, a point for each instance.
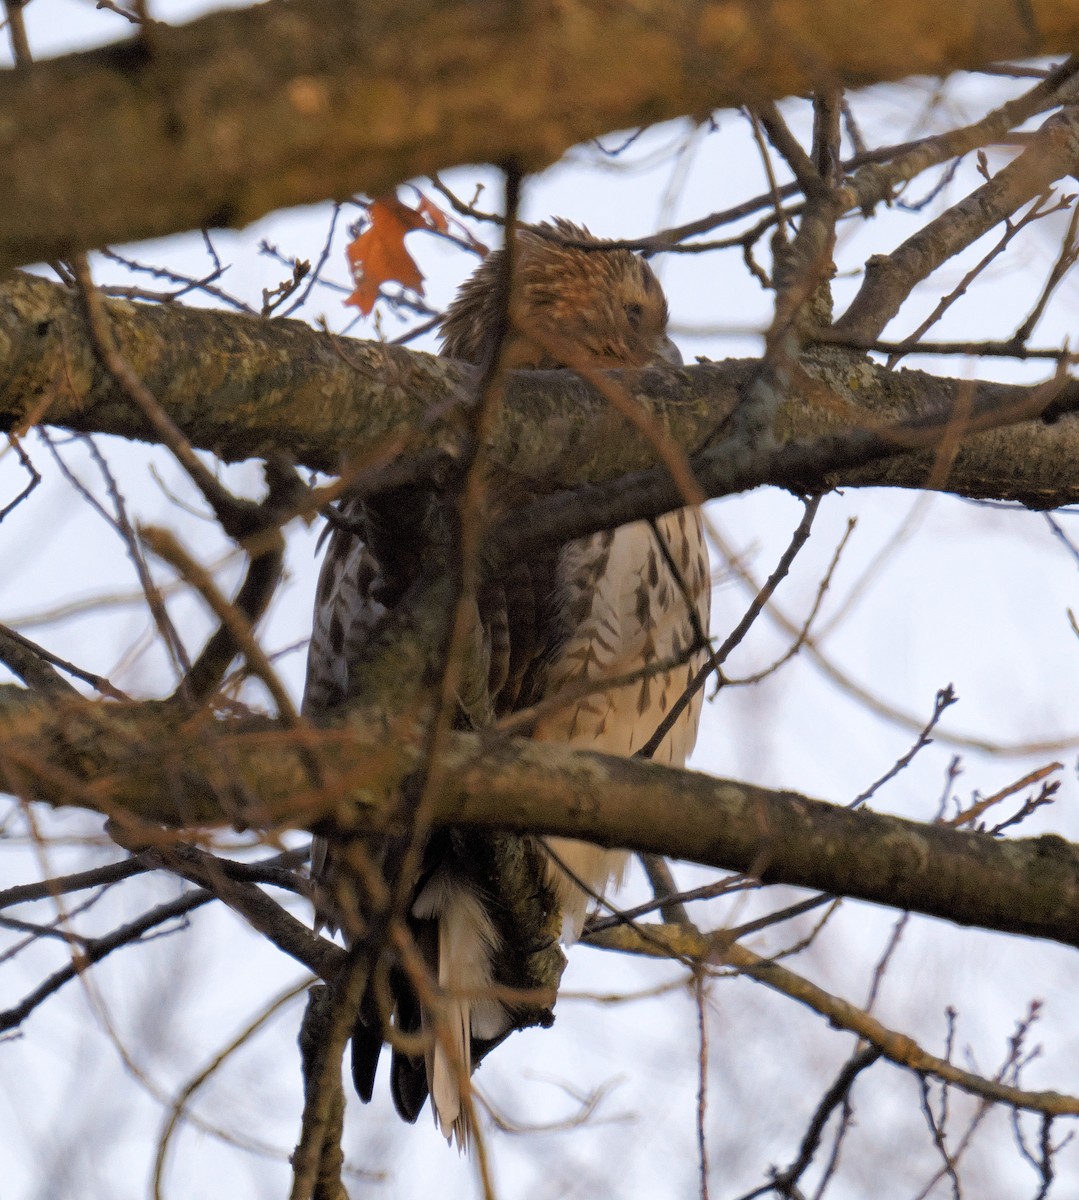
(568, 290)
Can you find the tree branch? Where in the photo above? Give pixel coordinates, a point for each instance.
(242, 387)
(889, 279)
(141, 760)
(192, 127)
(663, 940)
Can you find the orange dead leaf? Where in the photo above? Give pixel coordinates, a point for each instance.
(434, 216)
(378, 255)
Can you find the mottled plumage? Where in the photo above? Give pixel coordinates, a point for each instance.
(598, 608)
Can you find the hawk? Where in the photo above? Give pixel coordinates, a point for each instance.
(597, 608)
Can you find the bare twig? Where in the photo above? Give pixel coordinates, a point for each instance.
(889, 280)
(785, 1182)
(232, 617)
(734, 638)
(944, 699)
(238, 518)
(897, 1047)
(95, 949)
(33, 481)
(34, 666)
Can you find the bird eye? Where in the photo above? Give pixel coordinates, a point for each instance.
(634, 312)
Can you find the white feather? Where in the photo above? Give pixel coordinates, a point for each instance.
(467, 945)
(636, 616)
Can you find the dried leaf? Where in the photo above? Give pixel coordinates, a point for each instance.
(378, 255)
(436, 218)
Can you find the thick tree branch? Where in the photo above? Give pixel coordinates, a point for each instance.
(242, 112)
(804, 465)
(139, 760)
(241, 386)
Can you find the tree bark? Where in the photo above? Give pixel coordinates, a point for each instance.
(242, 387)
(220, 121)
(141, 763)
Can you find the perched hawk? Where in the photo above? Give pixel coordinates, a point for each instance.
(597, 608)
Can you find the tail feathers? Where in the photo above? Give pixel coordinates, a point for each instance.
(458, 941)
(408, 1084)
(461, 943)
(466, 945)
(366, 1047)
(444, 1072)
(408, 1076)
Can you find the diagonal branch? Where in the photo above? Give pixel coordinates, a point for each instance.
(889, 279)
(897, 1047)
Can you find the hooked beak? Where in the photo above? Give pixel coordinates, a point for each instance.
(668, 351)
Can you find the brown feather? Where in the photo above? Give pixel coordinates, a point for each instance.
(607, 303)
